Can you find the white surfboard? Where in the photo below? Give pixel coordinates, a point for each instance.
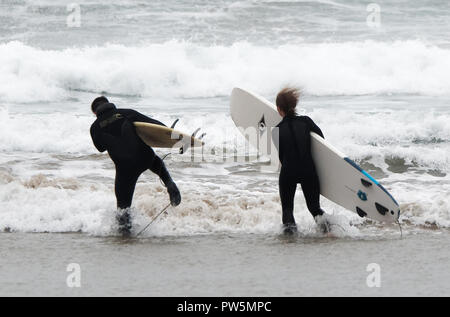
(341, 179)
(156, 135)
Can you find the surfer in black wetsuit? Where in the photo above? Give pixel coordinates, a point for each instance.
(297, 166)
(113, 131)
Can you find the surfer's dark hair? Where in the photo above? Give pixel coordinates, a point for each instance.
(98, 102)
(287, 100)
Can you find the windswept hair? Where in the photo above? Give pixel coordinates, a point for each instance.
(287, 100)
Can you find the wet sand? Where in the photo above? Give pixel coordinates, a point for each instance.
(224, 265)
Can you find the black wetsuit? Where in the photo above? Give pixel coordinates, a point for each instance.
(113, 131)
(297, 165)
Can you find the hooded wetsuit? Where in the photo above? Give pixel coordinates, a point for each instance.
(113, 131)
(297, 166)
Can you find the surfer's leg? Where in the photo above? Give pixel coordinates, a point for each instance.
(158, 167)
(311, 191)
(287, 194)
(125, 184)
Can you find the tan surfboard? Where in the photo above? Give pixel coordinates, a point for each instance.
(160, 136)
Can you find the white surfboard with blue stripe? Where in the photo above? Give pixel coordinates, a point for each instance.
(348, 185)
(341, 179)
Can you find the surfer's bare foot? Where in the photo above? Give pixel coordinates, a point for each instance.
(323, 223)
(174, 194)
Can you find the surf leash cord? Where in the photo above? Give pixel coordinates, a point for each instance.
(153, 220)
(164, 209)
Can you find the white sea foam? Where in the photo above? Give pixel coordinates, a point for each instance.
(43, 189)
(53, 204)
(183, 69)
(416, 137)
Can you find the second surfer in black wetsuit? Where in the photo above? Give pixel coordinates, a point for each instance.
(113, 131)
(297, 165)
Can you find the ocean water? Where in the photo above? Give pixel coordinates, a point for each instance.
(380, 94)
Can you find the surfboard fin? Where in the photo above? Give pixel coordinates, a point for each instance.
(174, 123)
(381, 209)
(365, 183)
(362, 195)
(186, 146)
(361, 212)
(195, 132)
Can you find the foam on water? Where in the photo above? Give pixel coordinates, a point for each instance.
(43, 203)
(183, 69)
(415, 138)
(53, 180)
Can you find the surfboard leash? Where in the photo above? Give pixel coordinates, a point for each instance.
(153, 220)
(164, 209)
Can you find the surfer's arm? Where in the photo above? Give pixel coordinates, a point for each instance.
(135, 116)
(97, 139)
(314, 127)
